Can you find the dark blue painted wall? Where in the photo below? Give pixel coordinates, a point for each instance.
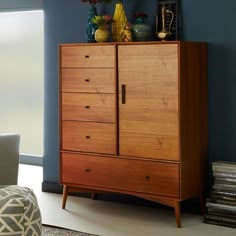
(211, 21)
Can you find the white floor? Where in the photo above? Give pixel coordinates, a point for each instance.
(113, 219)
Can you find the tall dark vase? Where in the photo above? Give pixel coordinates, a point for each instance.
(91, 27)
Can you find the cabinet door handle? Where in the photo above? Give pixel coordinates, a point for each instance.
(87, 137)
(86, 56)
(147, 177)
(86, 80)
(87, 170)
(87, 107)
(123, 93)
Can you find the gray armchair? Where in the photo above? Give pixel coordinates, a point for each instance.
(9, 158)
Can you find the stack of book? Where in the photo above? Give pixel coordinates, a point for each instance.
(221, 204)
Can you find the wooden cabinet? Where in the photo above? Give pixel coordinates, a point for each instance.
(133, 119)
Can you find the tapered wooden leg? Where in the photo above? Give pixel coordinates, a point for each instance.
(93, 195)
(177, 214)
(64, 197)
(202, 204)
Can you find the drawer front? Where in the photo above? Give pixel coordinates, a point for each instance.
(89, 137)
(121, 174)
(93, 80)
(88, 107)
(162, 57)
(162, 147)
(88, 56)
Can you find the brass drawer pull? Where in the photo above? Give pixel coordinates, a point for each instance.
(86, 56)
(87, 107)
(86, 80)
(87, 137)
(147, 177)
(87, 170)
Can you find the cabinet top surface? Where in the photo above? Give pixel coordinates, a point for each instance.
(131, 43)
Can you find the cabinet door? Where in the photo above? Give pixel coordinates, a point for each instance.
(148, 101)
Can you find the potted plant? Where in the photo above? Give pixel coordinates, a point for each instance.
(102, 34)
(91, 27)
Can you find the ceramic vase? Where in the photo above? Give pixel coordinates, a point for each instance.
(141, 31)
(91, 27)
(120, 22)
(102, 34)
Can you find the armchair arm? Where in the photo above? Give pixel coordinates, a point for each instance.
(9, 158)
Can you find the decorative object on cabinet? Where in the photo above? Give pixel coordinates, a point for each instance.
(139, 136)
(167, 20)
(141, 30)
(91, 27)
(120, 23)
(126, 34)
(102, 34)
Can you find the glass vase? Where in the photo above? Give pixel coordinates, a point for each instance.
(120, 22)
(91, 27)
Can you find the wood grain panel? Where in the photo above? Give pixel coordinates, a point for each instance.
(193, 106)
(150, 111)
(162, 147)
(88, 56)
(93, 80)
(154, 56)
(88, 107)
(89, 137)
(125, 174)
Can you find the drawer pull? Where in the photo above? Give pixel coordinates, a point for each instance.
(86, 56)
(87, 137)
(147, 177)
(86, 80)
(87, 107)
(87, 170)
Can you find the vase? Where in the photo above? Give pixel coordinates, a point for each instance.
(141, 31)
(120, 22)
(102, 35)
(91, 27)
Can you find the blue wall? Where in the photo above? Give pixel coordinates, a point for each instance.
(211, 21)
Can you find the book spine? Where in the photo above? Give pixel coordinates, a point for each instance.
(222, 168)
(224, 187)
(220, 219)
(224, 174)
(219, 223)
(225, 180)
(223, 197)
(223, 193)
(220, 201)
(222, 214)
(221, 206)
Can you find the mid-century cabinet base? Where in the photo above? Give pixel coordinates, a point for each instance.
(133, 120)
(171, 202)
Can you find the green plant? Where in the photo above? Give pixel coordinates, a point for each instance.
(102, 21)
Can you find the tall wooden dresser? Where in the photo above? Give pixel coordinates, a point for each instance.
(133, 119)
